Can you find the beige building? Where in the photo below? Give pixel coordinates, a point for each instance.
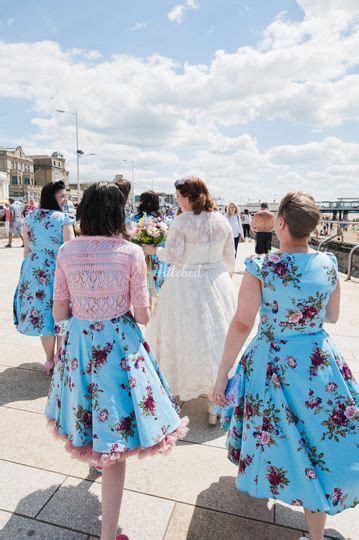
(20, 170)
(50, 169)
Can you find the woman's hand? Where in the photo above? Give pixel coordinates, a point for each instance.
(149, 249)
(217, 394)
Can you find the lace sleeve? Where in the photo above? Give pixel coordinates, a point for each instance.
(174, 247)
(139, 296)
(61, 290)
(228, 251)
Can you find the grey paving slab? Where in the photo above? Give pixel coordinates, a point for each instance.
(343, 525)
(14, 527)
(141, 517)
(26, 357)
(25, 491)
(195, 474)
(23, 389)
(12, 336)
(191, 523)
(200, 432)
(41, 449)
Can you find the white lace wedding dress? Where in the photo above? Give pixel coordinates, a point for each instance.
(196, 303)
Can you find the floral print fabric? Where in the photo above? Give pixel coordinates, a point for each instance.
(108, 395)
(293, 417)
(33, 296)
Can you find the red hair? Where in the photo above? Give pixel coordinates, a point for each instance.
(197, 192)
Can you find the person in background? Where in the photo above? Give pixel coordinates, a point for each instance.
(150, 206)
(125, 188)
(46, 228)
(7, 219)
(262, 225)
(29, 207)
(292, 405)
(15, 222)
(246, 222)
(232, 214)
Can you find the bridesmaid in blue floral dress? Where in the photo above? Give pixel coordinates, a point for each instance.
(46, 228)
(108, 398)
(291, 407)
(150, 206)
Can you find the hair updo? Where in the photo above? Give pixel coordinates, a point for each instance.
(197, 192)
(300, 213)
(149, 203)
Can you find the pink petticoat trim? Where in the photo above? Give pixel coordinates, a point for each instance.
(99, 460)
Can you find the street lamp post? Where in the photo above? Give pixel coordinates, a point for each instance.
(78, 152)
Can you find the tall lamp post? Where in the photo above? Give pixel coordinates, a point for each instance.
(78, 152)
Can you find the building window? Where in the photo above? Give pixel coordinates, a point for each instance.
(27, 180)
(14, 180)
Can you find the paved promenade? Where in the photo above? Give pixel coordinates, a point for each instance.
(188, 495)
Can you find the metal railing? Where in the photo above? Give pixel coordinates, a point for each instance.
(350, 262)
(326, 240)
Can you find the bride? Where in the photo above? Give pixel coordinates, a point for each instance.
(197, 301)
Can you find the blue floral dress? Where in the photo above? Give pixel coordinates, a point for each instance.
(293, 417)
(108, 398)
(33, 296)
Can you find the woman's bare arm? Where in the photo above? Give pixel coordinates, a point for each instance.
(249, 300)
(333, 307)
(141, 315)
(61, 310)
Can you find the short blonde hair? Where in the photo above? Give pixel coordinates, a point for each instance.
(300, 213)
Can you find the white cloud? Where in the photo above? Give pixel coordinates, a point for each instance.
(177, 13)
(138, 26)
(173, 120)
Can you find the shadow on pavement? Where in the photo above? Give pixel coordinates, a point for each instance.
(223, 513)
(74, 507)
(18, 384)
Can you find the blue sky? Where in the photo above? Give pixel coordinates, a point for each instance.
(108, 25)
(249, 80)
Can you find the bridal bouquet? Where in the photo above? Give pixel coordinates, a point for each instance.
(149, 230)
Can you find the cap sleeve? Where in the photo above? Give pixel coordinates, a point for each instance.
(68, 219)
(139, 295)
(333, 270)
(61, 290)
(253, 267)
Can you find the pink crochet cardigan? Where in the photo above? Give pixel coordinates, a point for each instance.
(101, 276)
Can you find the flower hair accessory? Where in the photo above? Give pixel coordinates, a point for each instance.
(181, 181)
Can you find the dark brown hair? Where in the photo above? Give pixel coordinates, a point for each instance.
(197, 192)
(149, 203)
(124, 186)
(47, 198)
(300, 213)
(102, 211)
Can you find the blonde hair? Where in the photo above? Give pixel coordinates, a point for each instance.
(300, 213)
(232, 204)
